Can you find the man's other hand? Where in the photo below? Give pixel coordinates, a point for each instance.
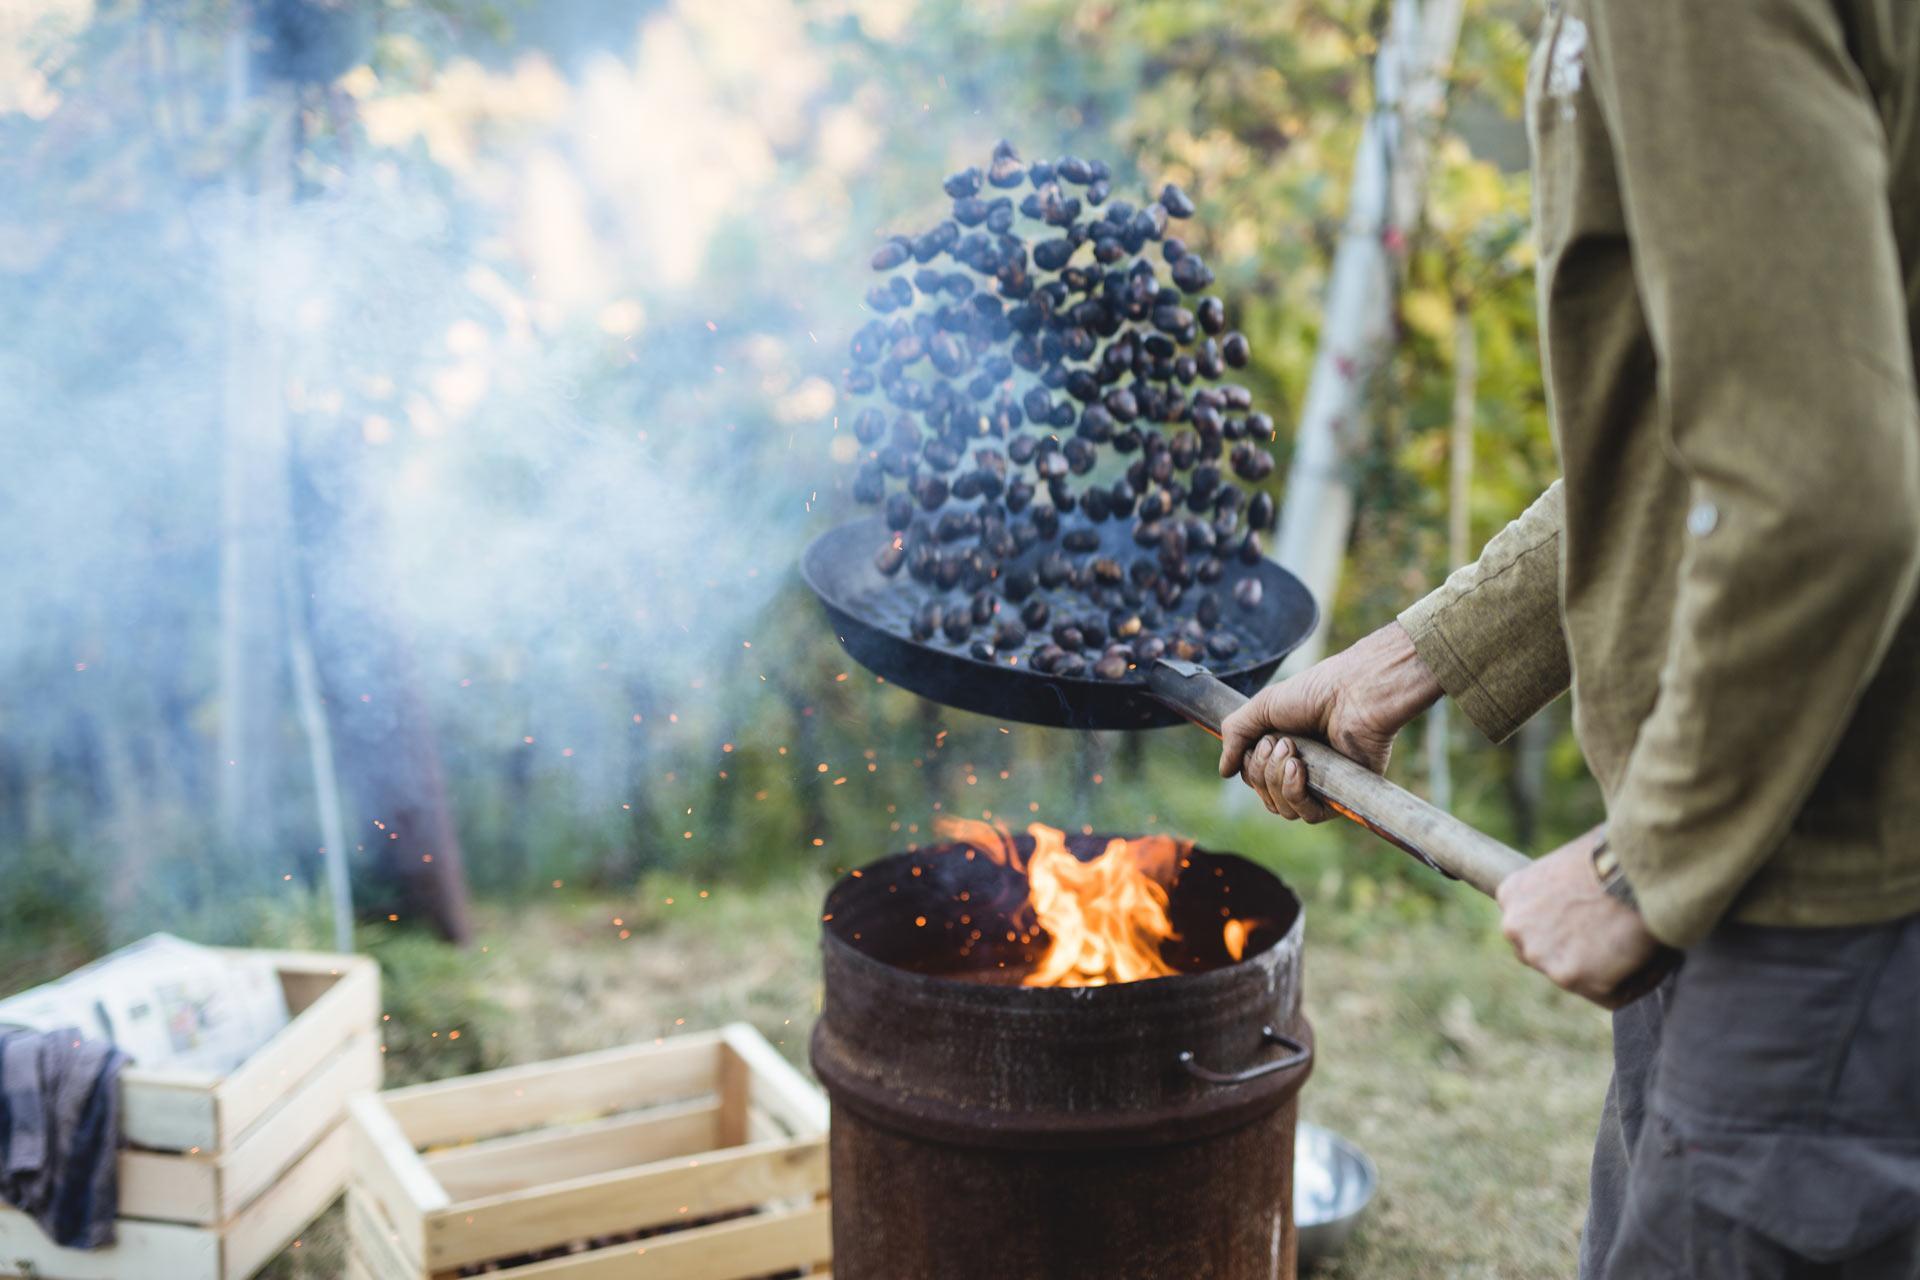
(1561, 922)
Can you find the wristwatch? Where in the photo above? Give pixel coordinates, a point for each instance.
(1608, 871)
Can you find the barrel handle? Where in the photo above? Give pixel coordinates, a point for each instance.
(1298, 1055)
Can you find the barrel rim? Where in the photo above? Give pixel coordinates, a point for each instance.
(1179, 988)
(1218, 1011)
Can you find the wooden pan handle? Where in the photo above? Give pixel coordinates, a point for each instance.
(1391, 812)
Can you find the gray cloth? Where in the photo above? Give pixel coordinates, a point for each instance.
(1764, 1117)
(60, 1133)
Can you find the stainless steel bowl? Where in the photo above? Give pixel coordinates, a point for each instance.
(1333, 1183)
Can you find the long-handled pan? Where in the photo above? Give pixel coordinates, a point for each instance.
(870, 612)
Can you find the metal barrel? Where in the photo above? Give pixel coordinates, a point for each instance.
(1137, 1131)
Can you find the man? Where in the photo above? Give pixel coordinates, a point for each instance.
(1727, 200)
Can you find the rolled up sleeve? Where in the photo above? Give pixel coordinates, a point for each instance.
(1753, 173)
(1492, 633)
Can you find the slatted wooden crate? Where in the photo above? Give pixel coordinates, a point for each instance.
(226, 1170)
(626, 1149)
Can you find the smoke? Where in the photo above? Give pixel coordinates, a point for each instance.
(503, 382)
(500, 373)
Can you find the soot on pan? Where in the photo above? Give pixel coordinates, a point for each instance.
(1043, 361)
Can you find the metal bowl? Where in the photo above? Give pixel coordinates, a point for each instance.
(1333, 1183)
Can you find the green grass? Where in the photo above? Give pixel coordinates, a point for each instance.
(1470, 1081)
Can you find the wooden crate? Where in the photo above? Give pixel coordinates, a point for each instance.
(225, 1170)
(496, 1167)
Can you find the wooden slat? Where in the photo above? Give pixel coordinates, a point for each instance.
(206, 1190)
(315, 1108)
(350, 1006)
(654, 1195)
(736, 1084)
(777, 1087)
(142, 1251)
(738, 1250)
(285, 1209)
(515, 1099)
(375, 1241)
(169, 1110)
(163, 1186)
(762, 1127)
(390, 1171)
(500, 1165)
(305, 976)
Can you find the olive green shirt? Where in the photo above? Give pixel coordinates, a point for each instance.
(1727, 203)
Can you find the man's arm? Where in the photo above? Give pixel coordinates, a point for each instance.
(1492, 632)
(1490, 637)
(1753, 174)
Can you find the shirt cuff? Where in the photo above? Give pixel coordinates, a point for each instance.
(1680, 901)
(1496, 674)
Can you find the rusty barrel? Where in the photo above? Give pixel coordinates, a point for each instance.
(1138, 1131)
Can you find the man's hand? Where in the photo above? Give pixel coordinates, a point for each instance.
(1356, 701)
(1561, 922)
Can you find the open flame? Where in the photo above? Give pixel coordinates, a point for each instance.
(1105, 918)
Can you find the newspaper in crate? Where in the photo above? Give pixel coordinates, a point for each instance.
(167, 1002)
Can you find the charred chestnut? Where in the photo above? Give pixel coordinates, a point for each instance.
(964, 183)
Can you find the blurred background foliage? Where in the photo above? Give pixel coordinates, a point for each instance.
(535, 234)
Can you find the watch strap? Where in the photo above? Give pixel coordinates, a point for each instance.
(1611, 875)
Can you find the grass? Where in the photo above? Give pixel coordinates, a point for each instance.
(1471, 1082)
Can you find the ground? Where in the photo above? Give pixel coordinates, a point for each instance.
(1471, 1083)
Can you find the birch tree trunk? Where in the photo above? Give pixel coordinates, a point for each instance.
(1466, 378)
(1389, 186)
(253, 482)
(326, 785)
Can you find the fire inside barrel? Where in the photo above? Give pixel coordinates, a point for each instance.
(1104, 918)
(1062, 1056)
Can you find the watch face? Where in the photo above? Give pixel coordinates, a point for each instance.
(1605, 864)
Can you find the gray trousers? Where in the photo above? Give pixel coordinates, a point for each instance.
(1764, 1117)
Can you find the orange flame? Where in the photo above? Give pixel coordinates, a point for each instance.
(1105, 918)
